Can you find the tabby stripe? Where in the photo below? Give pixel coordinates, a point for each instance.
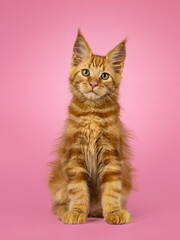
(111, 152)
(80, 107)
(74, 152)
(77, 121)
(74, 188)
(77, 178)
(74, 122)
(116, 190)
(72, 79)
(78, 169)
(99, 114)
(111, 195)
(110, 177)
(83, 106)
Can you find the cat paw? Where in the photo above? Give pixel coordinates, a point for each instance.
(74, 217)
(118, 217)
(61, 211)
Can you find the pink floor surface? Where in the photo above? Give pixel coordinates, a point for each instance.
(152, 223)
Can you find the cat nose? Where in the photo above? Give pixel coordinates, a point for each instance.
(94, 84)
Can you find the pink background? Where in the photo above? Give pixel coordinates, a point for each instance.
(36, 39)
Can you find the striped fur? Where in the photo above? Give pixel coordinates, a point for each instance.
(92, 173)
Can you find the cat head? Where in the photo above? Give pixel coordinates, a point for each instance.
(95, 77)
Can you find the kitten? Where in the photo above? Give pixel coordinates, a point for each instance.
(92, 173)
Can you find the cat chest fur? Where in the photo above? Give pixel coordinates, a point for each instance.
(91, 131)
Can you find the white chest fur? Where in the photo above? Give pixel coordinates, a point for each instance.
(91, 130)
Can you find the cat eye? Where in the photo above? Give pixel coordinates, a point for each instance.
(105, 76)
(85, 72)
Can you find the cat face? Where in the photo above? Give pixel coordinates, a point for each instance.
(94, 77)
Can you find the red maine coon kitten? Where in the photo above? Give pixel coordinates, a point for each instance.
(92, 173)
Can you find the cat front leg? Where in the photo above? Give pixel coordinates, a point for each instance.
(77, 190)
(111, 186)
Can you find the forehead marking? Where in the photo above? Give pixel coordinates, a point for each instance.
(97, 61)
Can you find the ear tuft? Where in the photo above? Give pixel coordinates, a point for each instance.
(125, 40)
(117, 56)
(81, 49)
(79, 32)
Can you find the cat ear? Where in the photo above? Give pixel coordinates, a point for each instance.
(117, 56)
(81, 50)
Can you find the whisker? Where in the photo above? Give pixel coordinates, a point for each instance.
(112, 93)
(112, 102)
